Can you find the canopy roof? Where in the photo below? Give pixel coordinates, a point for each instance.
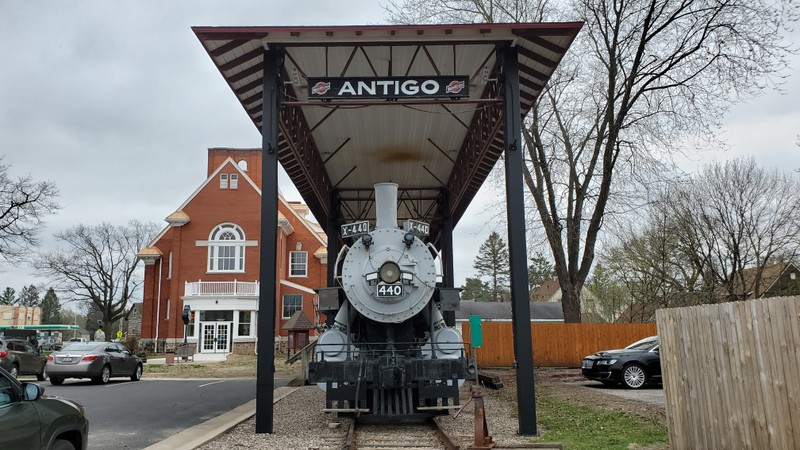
(339, 149)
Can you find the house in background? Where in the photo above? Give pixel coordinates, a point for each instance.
(501, 312)
(550, 291)
(208, 257)
(777, 280)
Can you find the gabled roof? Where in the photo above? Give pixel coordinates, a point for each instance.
(180, 214)
(426, 146)
(769, 277)
(298, 321)
(547, 290)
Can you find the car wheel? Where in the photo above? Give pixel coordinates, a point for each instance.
(634, 376)
(41, 376)
(57, 380)
(62, 444)
(14, 370)
(137, 374)
(105, 374)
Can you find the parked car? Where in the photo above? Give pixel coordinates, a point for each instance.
(20, 357)
(79, 340)
(98, 361)
(31, 420)
(634, 366)
(51, 346)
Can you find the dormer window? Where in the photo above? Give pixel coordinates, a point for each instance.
(234, 181)
(223, 181)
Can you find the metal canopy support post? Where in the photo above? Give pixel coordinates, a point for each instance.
(333, 236)
(518, 256)
(447, 250)
(265, 381)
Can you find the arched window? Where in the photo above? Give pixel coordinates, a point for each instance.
(226, 249)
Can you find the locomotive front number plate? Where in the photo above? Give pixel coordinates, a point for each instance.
(389, 290)
(355, 229)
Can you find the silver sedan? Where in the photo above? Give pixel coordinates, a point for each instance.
(97, 361)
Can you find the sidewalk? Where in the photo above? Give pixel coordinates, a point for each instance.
(198, 357)
(201, 434)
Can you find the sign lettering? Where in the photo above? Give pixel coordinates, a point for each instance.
(388, 87)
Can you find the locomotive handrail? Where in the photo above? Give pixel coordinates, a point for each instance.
(367, 349)
(345, 248)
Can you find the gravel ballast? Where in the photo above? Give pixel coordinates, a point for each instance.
(299, 423)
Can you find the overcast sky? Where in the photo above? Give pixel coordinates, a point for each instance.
(116, 103)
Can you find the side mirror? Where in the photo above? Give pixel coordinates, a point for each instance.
(32, 391)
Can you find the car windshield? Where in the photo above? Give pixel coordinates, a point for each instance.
(644, 344)
(81, 346)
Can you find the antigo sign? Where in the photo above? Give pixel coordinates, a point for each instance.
(388, 87)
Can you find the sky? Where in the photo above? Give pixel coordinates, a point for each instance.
(116, 102)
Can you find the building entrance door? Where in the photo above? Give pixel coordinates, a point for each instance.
(215, 337)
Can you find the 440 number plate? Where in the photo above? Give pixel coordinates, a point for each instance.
(389, 290)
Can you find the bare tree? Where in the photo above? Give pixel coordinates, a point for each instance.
(738, 216)
(98, 265)
(24, 204)
(654, 265)
(642, 75)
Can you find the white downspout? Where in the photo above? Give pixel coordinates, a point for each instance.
(158, 304)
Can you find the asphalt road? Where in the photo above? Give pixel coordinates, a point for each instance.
(134, 415)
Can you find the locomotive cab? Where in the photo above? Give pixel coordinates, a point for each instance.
(387, 353)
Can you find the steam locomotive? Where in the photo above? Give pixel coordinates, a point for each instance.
(387, 352)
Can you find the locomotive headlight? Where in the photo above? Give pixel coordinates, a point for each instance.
(390, 272)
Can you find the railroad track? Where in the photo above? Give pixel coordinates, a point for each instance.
(407, 436)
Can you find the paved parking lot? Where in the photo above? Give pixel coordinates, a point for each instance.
(648, 394)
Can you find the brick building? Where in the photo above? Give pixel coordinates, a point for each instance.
(20, 315)
(207, 257)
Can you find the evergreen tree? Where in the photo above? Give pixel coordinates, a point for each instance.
(477, 290)
(51, 308)
(8, 296)
(492, 262)
(539, 271)
(29, 296)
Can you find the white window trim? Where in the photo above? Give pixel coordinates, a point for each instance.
(234, 183)
(283, 305)
(305, 265)
(169, 271)
(223, 181)
(238, 244)
(166, 317)
(237, 323)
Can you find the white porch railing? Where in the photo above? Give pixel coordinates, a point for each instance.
(221, 288)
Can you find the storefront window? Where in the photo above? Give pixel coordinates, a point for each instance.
(244, 323)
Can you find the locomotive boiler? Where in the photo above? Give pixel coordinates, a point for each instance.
(386, 351)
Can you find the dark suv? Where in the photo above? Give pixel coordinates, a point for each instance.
(30, 420)
(20, 357)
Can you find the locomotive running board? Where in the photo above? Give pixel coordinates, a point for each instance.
(345, 410)
(435, 408)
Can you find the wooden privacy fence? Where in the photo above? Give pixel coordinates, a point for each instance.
(556, 344)
(730, 374)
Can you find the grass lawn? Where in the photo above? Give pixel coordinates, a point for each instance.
(579, 427)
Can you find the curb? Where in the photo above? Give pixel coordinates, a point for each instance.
(209, 430)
